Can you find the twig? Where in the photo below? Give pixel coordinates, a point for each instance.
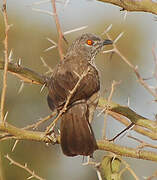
(67, 101)
(106, 109)
(142, 143)
(127, 167)
(130, 126)
(50, 70)
(143, 131)
(155, 61)
(35, 125)
(31, 172)
(60, 50)
(134, 68)
(130, 114)
(6, 61)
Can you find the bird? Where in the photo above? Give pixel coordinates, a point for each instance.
(76, 134)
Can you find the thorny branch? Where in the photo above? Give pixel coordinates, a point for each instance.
(3, 95)
(36, 78)
(31, 77)
(134, 68)
(142, 143)
(20, 134)
(25, 167)
(106, 109)
(152, 135)
(127, 167)
(60, 50)
(135, 5)
(42, 120)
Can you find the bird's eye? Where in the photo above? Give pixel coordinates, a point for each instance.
(89, 42)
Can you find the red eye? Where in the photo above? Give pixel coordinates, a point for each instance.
(89, 42)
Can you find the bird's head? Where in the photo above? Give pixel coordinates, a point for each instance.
(88, 45)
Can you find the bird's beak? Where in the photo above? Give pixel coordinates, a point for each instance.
(107, 42)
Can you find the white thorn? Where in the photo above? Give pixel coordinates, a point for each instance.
(52, 41)
(102, 111)
(5, 117)
(19, 62)
(118, 37)
(48, 49)
(10, 56)
(108, 51)
(13, 148)
(108, 29)
(43, 11)
(99, 175)
(40, 2)
(42, 88)
(74, 30)
(30, 177)
(21, 87)
(77, 74)
(45, 65)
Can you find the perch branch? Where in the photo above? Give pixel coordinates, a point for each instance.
(126, 151)
(33, 77)
(21, 134)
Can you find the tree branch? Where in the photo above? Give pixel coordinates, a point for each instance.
(4, 87)
(126, 151)
(24, 74)
(130, 114)
(25, 167)
(135, 5)
(21, 134)
(35, 78)
(60, 50)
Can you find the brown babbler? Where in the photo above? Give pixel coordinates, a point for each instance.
(77, 137)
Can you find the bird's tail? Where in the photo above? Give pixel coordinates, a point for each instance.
(77, 137)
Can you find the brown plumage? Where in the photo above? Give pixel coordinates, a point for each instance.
(77, 137)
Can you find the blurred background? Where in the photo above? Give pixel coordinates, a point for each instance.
(28, 40)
